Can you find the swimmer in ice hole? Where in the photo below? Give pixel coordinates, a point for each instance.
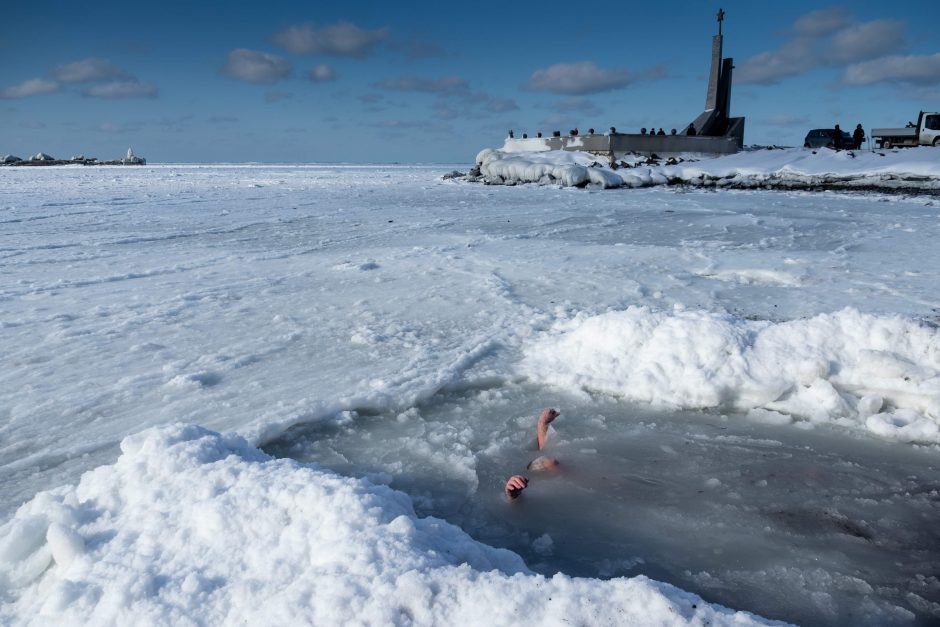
(518, 483)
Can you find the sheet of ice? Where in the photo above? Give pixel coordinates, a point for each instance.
(189, 527)
(250, 299)
(899, 169)
(871, 372)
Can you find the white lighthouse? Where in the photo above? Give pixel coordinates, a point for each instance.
(132, 159)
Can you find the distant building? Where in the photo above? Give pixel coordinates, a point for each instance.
(132, 159)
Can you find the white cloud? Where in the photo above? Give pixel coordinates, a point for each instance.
(768, 68)
(471, 105)
(869, 40)
(578, 78)
(341, 39)
(90, 69)
(820, 23)
(322, 73)
(912, 69)
(32, 87)
(254, 66)
(455, 98)
(122, 89)
(448, 84)
(829, 37)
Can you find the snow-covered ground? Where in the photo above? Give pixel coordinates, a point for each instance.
(403, 330)
(915, 169)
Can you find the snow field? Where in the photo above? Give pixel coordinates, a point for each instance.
(250, 299)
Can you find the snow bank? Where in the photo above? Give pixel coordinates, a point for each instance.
(190, 527)
(878, 373)
(569, 169)
(916, 168)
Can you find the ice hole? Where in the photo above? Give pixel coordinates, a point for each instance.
(817, 527)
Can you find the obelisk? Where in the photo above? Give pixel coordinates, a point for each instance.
(711, 99)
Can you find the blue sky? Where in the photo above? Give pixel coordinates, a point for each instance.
(435, 82)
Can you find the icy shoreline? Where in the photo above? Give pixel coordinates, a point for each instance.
(190, 527)
(908, 171)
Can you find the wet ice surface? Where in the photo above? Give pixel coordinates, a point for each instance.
(802, 525)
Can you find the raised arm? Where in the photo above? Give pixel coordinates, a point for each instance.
(546, 417)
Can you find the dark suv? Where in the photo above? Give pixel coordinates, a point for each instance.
(819, 137)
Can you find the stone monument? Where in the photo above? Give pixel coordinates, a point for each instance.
(716, 132)
(715, 120)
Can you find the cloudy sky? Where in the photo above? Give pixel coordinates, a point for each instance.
(435, 82)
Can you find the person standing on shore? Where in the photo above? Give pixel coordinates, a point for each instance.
(858, 136)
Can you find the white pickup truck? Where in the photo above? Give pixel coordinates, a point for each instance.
(925, 133)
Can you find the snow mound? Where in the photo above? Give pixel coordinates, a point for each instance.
(875, 373)
(568, 169)
(913, 168)
(794, 168)
(191, 527)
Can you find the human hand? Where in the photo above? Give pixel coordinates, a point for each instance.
(548, 415)
(515, 486)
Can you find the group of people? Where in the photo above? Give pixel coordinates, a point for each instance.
(653, 131)
(858, 137)
(517, 483)
(838, 141)
(690, 130)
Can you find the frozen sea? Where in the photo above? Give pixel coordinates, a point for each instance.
(749, 387)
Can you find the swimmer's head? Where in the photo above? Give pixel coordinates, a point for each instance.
(543, 463)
